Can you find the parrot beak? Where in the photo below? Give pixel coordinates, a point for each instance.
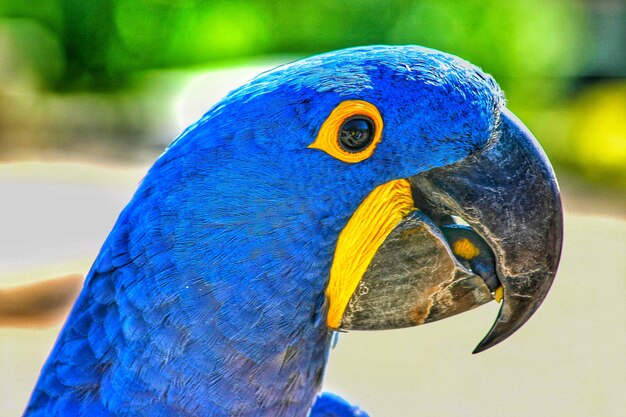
(509, 195)
(428, 269)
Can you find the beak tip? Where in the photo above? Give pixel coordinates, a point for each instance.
(490, 340)
(484, 344)
(477, 349)
(514, 313)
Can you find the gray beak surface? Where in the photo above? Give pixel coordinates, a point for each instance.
(509, 195)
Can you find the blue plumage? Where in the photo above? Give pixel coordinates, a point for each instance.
(329, 405)
(208, 296)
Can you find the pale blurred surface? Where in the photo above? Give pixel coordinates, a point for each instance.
(569, 360)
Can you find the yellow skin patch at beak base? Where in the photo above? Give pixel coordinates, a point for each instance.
(358, 242)
(465, 249)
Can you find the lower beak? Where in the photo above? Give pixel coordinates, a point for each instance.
(508, 195)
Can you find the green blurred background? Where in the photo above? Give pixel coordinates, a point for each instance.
(86, 78)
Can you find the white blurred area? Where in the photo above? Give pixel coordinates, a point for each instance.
(569, 360)
(203, 90)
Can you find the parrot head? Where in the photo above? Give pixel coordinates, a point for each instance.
(398, 178)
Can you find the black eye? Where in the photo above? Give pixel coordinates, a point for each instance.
(356, 134)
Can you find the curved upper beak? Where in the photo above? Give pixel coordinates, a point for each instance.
(428, 269)
(509, 195)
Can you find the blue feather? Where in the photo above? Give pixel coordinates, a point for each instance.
(330, 405)
(208, 296)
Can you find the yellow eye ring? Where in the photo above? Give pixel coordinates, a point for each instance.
(328, 136)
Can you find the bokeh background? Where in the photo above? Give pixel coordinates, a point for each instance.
(92, 91)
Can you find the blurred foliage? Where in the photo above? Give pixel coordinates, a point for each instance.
(543, 53)
(98, 44)
(598, 134)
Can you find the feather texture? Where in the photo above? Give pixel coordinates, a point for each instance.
(208, 296)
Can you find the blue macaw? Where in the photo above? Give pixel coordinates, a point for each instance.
(368, 188)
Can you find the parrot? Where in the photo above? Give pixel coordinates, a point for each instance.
(368, 188)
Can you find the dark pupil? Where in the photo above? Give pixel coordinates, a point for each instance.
(356, 134)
